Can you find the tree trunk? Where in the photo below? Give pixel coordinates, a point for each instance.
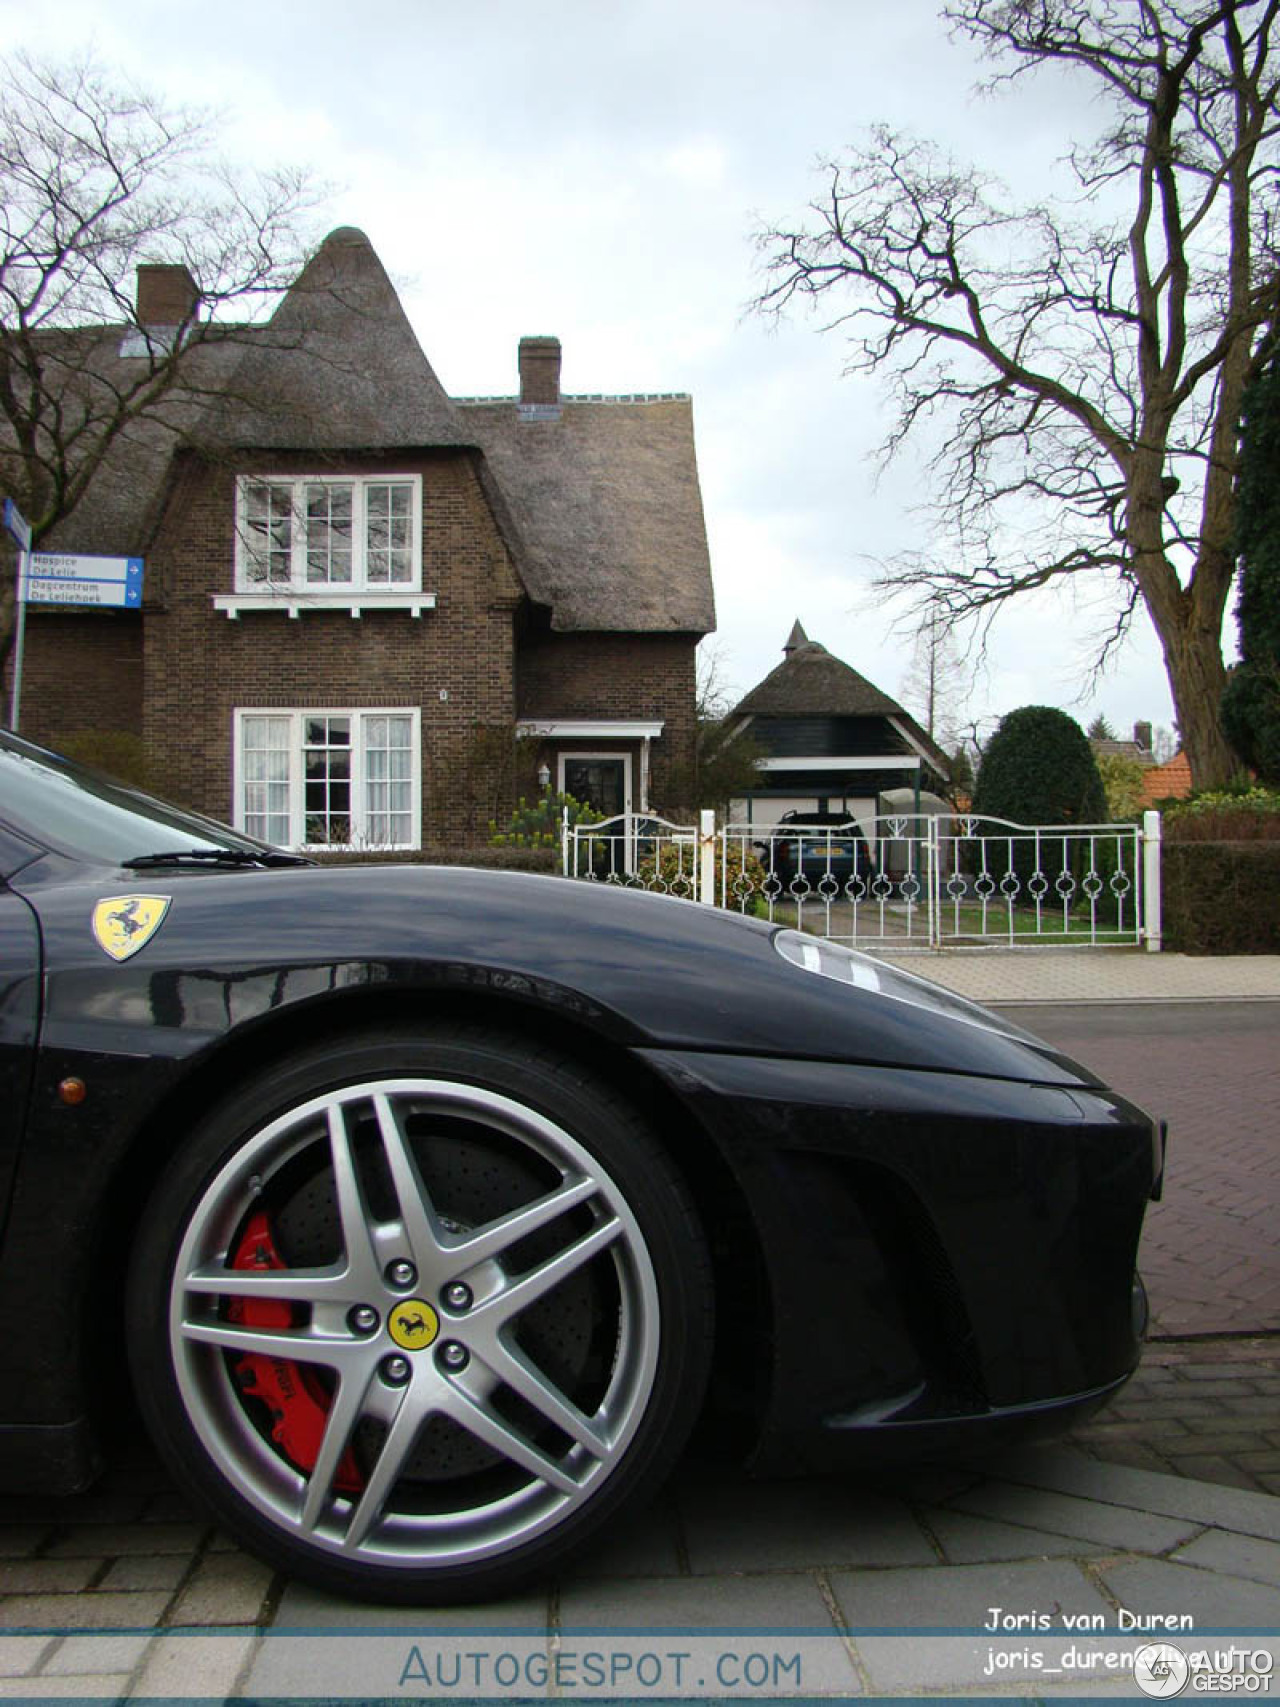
(1197, 676)
(1187, 619)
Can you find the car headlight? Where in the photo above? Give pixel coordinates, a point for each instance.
(829, 959)
(847, 966)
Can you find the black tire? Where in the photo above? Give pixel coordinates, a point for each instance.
(549, 1370)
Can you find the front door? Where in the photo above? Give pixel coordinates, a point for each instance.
(597, 781)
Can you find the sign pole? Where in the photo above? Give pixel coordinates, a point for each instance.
(62, 579)
(19, 643)
(19, 530)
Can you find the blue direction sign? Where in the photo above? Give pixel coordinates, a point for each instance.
(17, 525)
(68, 580)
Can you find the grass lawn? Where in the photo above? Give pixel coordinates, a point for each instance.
(963, 923)
(1049, 925)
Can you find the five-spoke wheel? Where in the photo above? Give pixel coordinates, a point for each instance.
(418, 1315)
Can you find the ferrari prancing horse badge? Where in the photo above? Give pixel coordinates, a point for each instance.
(122, 924)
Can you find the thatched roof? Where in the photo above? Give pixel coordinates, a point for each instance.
(338, 367)
(599, 500)
(607, 510)
(810, 682)
(119, 513)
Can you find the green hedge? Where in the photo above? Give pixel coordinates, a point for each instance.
(493, 859)
(1221, 897)
(1234, 815)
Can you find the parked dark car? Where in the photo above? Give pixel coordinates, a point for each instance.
(423, 1212)
(821, 853)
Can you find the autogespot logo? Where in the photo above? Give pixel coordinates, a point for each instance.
(1161, 1669)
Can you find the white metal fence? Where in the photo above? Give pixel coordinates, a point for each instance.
(898, 882)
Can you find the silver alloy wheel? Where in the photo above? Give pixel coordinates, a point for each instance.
(554, 1447)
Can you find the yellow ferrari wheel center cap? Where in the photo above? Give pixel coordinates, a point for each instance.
(413, 1324)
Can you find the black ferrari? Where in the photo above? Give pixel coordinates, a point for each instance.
(425, 1212)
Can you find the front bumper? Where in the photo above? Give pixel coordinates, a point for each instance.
(948, 1257)
(838, 1443)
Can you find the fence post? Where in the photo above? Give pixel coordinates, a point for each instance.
(1151, 837)
(564, 842)
(707, 856)
(933, 876)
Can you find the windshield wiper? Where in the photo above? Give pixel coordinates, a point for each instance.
(216, 856)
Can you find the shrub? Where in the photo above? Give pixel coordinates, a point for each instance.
(486, 858)
(538, 825)
(1122, 784)
(1251, 703)
(674, 871)
(1038, 768)
(1245, 814)
(1220, 897)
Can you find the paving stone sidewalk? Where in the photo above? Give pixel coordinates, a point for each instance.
(1091, 975)
(119, 1601)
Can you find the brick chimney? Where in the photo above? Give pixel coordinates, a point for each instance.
(167, 295)
(1142, 736)
(540, 371)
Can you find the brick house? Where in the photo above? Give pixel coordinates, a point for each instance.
(361, 592)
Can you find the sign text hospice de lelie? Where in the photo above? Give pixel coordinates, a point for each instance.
(78, 580)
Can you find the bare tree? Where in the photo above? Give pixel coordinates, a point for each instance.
(1164, 744)
(724, 759)
(935, 684)
(97, 177)
(1089, 369)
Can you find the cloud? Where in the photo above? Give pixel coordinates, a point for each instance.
(596, 172)
(702, 162)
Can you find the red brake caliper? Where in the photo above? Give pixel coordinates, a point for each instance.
(293, 1393)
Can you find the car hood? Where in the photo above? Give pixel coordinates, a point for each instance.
(646, 971)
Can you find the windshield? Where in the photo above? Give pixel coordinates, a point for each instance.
(74, 810)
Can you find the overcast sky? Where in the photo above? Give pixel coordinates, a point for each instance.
(596, 170)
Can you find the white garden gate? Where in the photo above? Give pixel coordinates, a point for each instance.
(899, 881)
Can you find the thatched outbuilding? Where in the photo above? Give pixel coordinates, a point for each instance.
(832, 742)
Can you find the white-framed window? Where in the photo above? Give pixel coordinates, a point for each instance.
(319, 535)
(329, 778)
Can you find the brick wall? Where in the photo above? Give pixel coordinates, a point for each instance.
(82, 671)
(645, 676)
(454, 662)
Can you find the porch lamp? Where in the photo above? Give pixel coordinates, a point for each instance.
(544, 776)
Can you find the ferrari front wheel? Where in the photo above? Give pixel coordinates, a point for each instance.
(418, 1316)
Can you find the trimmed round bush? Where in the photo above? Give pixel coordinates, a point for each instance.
(1039, 768)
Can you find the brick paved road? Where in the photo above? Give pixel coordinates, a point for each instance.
(1202, 1407)
(1209, 1409)
(1211, 1249)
